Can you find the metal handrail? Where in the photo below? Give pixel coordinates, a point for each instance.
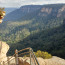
(16, 55)
(34, 56)
(23, 50)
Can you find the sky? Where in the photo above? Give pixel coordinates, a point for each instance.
(19, 3)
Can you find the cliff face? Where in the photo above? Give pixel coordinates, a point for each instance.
(52, 11)
(61, 11)
(22, 11)
(45, 11)
(30, 8)
(3, 51)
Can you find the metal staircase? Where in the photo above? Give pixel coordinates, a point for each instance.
(24, 53)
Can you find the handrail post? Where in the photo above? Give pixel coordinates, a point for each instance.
(8, 60)
(30, 56)
(16, 57)
(34, 59)
(3, 63)
(0, 63)
(34, 56)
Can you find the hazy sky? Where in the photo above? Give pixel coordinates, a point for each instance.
(18, 3)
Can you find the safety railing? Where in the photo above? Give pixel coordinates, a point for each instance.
(22, 57)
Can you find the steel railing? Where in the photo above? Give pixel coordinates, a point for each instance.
(27, 53)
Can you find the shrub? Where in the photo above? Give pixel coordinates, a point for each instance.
(43, 54)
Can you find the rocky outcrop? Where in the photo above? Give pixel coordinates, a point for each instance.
(3, 51)
(52, 61)
(47, 10)
(26, 60)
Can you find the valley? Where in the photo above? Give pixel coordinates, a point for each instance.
(40, 26)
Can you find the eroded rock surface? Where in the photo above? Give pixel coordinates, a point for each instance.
(52, 61)
(3, 51)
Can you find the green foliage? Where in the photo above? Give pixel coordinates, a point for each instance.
(15, 31)
(44, 55)
(33, 22)
(51, 40)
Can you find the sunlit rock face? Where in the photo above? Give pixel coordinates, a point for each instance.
(52, 61)
(45, 11)
(3, 51)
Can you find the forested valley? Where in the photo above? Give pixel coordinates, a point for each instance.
(41, 27)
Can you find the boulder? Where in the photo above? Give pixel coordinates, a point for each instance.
(3, 51)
